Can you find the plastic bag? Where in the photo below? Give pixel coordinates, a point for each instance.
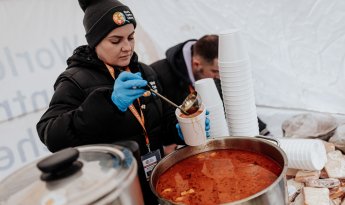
(310, 126)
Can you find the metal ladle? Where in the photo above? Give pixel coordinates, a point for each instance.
(192, 103)
(189, 106)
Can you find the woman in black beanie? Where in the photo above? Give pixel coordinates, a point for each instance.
(100, 97)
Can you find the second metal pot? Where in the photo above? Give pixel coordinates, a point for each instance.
(90, 174)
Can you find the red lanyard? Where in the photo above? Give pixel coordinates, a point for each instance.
(140, 118)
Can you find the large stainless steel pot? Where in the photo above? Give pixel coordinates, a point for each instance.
(91, 174)
(275, 194)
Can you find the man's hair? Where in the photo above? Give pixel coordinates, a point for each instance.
(207, 47)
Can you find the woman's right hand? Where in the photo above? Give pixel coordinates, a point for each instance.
(127, 88)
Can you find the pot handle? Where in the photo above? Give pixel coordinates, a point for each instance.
(60, 164)
(269, 139)
(133, 146)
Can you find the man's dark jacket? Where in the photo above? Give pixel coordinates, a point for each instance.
(173, 75)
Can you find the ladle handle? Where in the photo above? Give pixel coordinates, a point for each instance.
(167, 100)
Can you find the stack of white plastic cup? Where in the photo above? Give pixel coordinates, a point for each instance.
(306, 154)
(237, 85)
(207, 90)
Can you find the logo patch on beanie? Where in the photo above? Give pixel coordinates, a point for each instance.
(119, 18)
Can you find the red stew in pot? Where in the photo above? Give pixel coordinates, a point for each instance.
(217, 176)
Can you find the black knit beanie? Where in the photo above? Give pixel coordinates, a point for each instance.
(103, 16)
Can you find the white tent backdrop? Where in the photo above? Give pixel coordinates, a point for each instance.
(296, 49)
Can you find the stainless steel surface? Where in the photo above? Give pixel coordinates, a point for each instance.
(269, 139)
(275, 194)
(192, 103)
(108, 176)
(169, 101)
(189, 106)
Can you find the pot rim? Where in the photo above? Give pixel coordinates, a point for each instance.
(260, 139)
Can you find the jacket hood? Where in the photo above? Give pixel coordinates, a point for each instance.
(174, 56)
(84, 56)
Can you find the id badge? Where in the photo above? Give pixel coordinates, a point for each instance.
(149, 161)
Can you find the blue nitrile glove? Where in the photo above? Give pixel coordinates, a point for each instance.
(127, 88)
(207, 127)
(207, 124)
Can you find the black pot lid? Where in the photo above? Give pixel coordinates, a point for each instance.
(94, 172)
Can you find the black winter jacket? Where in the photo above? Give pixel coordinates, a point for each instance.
(81, 110)
(173, 75)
